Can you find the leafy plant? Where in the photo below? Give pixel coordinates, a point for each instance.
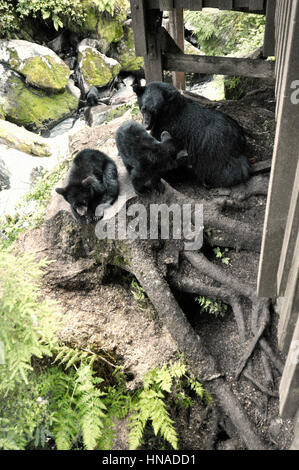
(138, 294)
(220, 255)
(227, 32)
(30, 210)
(214, 307)
(150, 404)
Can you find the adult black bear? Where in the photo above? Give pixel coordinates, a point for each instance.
(215, 143)
(145, 158)
(92, 184)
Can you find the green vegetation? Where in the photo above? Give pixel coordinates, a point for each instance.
(53, 12)
(227, 32)
(220, 254)
(214, 307)
(53, 396)
(169, 383)
(31, 208)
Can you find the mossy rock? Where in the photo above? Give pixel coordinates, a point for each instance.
(124, 52)
(40, 66)
(96, 68)
(35, 109)
(102, 25)
(23, 140)
(43, 72)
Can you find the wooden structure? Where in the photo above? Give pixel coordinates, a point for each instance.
(163, 50)
(279, 262)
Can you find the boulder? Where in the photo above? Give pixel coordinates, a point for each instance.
(95, 68)
(124, 52)
(40, 66)
(102, 25)
(4, 176)
(33, 108)
(23, 140)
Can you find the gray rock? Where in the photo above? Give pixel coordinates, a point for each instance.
(4, 176)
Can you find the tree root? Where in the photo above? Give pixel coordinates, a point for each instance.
(202, 363)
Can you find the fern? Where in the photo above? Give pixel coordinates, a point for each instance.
(150, 404)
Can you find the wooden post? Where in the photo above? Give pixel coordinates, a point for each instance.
(269, 39)
(153, 60)
(176, 30)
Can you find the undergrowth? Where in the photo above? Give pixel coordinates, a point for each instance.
(30, 210)
(56, 397)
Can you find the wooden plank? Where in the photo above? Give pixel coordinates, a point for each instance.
(282, 47)
(284, 167)
(289, 385)
(289, 310)
(269, 38)
(166, 5)
(225, 4)
(256, 5)
(290, 237)
(138, 24)
(194, 5)
(219, 65)
(153, 60)
(176, 25)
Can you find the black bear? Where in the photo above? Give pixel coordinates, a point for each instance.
(215, 142)
(92, 97)
(145, 158)
(92, 184)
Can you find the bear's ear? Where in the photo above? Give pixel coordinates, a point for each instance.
(61, 191)
(88, 181)
(138, 89)
(171, 94)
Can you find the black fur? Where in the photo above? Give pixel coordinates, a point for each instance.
(215, 142)
(92, 184)
(145, 158)
(92, 97)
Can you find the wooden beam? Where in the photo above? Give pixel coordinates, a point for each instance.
(285, 160)
(153, 60)
(197, 5)
(138, 24)
(290, 238)
(166, 5)
(289, 389)
(225, 5)
(255, 5)
(269, 38)
(176, 29)
(218, 65)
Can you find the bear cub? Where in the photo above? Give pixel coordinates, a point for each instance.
(145, 158)
(215, 142)
(92, 97)
(92, 185)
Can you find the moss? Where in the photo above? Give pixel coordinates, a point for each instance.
(43, 72)
(33, 108)
(101, 25)
(95, 70)
(126, 54)
(116, 112)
